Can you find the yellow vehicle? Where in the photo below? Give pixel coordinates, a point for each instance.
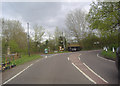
(74, 47)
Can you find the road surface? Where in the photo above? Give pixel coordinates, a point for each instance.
(83, 67)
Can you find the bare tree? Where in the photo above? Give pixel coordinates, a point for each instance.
(50, 36)
(38, 34)
(76, 24)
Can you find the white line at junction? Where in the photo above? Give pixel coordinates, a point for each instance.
(104, 58)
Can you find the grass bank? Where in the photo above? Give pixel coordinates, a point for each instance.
(26, 58)
(108, 55)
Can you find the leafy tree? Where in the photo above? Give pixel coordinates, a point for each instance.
(12, 31)
(14, 46)
(46, 43)
(61, 41)
(103, 16)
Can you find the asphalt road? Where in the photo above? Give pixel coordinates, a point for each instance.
(67, 68)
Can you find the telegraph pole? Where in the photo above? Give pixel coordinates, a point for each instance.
(28, 39)
(2, 24)
(63, 41)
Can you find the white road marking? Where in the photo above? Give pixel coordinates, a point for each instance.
(79, 56)
(104, 58)
(17, 74)
(84, 74)
(25, 69)
(68, 58)
(45, 56)
(95, 73)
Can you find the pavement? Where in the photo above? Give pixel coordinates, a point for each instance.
(83, 67)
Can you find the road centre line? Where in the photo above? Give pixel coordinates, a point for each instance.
(68, 58)
(79, 56)
(45, 56)
(84, 74)
(17, 74)
(95, 73)
(104, 58)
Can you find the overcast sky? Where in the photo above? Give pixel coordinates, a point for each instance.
(47, 14)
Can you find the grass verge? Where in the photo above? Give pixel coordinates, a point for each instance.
(108, 55)
(26, 58)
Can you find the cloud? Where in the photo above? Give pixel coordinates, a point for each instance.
(47, 14)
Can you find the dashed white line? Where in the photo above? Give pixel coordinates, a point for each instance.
(84, 74)
(17, 74)
(79, 56)
(104, 58)
(45, 56)
(95, 73)
(68, 58)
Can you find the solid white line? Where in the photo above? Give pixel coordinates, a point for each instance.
(84, 74)
(104, 58)
(68, 58)
(17, 74)
(95, 73)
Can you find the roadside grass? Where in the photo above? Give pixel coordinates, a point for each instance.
(26, 58)
(108, 54)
